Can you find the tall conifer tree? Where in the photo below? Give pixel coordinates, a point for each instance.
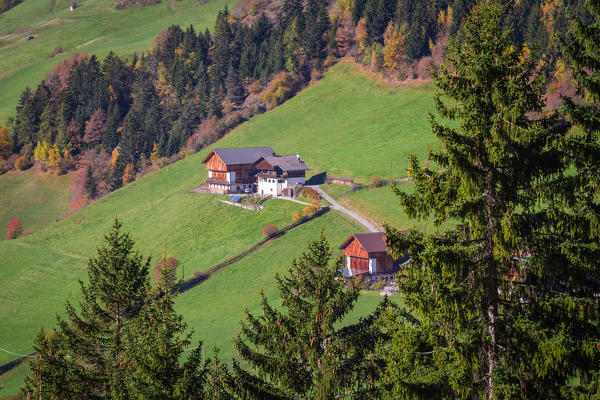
(297, 352)
(156, 340)
(484, 299)
(92, 336)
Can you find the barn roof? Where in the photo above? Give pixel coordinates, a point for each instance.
(290, 162)
(240, 155)
(372, 242)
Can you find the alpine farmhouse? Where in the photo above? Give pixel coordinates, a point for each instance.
(366, 253)
(254, 170)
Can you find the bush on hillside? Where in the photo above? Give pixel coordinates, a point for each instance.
(269, 230)
(377, 181)
(10, 161)
(379, 284)
(3, 168)
(165, 269)
(296, 217)
(22, 163)
(310, 193)
(281, 88)
(14, 228)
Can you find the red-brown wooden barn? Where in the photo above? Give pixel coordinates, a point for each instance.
(367, 253)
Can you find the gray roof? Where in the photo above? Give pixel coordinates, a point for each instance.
(372, 242)
(290, 162)
(243, 155)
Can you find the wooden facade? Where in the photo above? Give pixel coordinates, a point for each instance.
(216, 164)
(366, 253)
(219, 169)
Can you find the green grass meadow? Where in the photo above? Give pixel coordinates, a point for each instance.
(37, 199)
(347, 124)
(95, 27)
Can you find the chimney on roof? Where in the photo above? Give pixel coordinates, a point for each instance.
(298, 157)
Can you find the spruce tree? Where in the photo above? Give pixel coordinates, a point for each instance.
(156, 341)
(235, 89)
(93, 335)
(48, 369)
(489, 320)
(111, 132)
(574, 210)
(317, 23)
(296, 351)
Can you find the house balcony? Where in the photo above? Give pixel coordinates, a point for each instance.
(217, 181)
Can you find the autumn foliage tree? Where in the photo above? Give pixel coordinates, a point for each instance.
(129, 174)
(394, 43)
(94, 128)
(165, 269)
(344, 36)
(5, 143)
(14, 228)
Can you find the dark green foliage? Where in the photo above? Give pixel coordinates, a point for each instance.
(575, 209)
(90, 184)
(420, 21)
(125, 341)
(379, 13)
(117, 172)
(496, 317)
(296, 352)
(90, 340)
(156, 341)
(48, 368)
(235, 89)
(316, 25)
(111, 133)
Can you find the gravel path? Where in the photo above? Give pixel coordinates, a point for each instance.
(337, 206)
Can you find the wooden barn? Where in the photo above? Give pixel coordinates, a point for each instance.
(232, 170)
(367, 253)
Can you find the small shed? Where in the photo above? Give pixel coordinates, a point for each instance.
(367, 253)
(340, 181)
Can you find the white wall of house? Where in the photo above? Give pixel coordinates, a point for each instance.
(373, 265)
(347, 270)
(270, 186)
(231, 177)
(209, 173)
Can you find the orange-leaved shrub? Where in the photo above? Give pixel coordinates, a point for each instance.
(22, 163)
(14, 228)
(268, 230)
(296, 216)
(311, 193)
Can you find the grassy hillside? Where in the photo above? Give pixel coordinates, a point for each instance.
(95, 27)
(41, 271)
(347, 124)
(37, 199)
(215, 308)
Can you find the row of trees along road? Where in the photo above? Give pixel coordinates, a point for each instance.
(505, 304)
